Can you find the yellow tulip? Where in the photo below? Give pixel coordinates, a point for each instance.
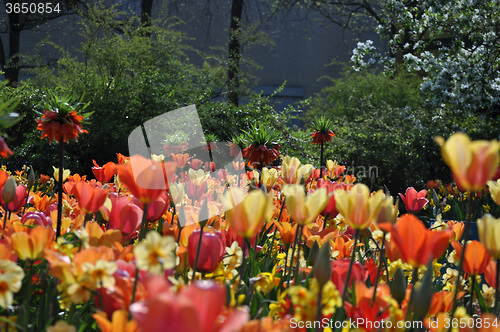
(358, 208)
(495, 190)
(304, 209)
(269, 177)
(66, 173)
(388, 211)
(489, 234)
(472, 163)
(247, 214)
(293, 172)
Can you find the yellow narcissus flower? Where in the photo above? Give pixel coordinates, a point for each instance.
(31, 245)
(11, 278)
(247, 213)
(358, 208)
(155, 253)
(304, 209)
(472, 163)
(495, 190)
(100, 274)
(489, 234)
(66, 173)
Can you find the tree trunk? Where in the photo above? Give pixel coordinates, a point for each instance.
(11, 67)
(146, 9)
(234, 52)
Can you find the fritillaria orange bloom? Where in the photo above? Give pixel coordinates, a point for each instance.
(4, 149)
(90, 199)
(322, 137)
(472, 163)
(476, 257)
(60, 127)
(418, 245)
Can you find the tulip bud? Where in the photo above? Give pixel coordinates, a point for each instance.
(9, 190)
(423, 295)
(31, 178)
(398, 286)
(322, 266)
(314, 253)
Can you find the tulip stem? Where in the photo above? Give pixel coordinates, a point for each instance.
(321, 162)
(143, 230)
(198, 249)
(60, 188)
(298, 255)
(291, 259)
(134, 289)
(353, 256)
(318, 305)
(379, 269)
(462, 256)
(473, 283)
(497, 284)
(4, 223)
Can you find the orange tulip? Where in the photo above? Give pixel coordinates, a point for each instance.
(145, 178)
(90, 199)
(417, 245)
(181, 159)
(287, 231)
(442, 302)
(30, 245)
(476, 257)
(472, 163)
(119, 322)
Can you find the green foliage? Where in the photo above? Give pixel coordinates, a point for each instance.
(129, 74)
(382, 122)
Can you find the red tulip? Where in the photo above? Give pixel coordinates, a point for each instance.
(156, 208)
(414, 201)
(211, 252)
(339, 273)
(124, 216)
(105, 173)
(330, 209)
(195, 163)
(90, 199)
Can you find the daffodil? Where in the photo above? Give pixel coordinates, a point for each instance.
(155, 253)
(11, 278)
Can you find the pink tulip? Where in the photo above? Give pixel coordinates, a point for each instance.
(414, 201)
(124, 215)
